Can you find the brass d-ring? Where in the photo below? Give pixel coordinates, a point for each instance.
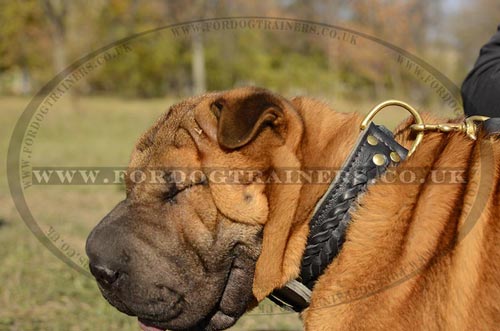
(410, 109)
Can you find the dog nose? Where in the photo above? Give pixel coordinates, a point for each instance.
(104, 275)
(108, 247)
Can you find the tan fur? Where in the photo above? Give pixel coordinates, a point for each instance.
(406, 244)
(420, 256)
(416, 256)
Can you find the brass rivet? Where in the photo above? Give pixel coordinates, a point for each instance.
(395, 157)
(379, 159)
(372, 140)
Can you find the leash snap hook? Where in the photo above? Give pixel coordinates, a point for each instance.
(468, 126)
(416, 116)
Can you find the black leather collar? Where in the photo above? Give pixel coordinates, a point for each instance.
(374, 151)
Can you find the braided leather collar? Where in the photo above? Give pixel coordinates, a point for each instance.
(374, 151)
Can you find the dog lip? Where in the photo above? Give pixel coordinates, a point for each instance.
(169, 311)
(175, 309)
(158, 324)
(215, 320)
(116, 301)
(149, 325)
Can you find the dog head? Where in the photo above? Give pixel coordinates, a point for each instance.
(180, 251)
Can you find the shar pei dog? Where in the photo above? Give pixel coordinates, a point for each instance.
(198, 251)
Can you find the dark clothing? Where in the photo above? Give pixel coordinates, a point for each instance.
(481, 87)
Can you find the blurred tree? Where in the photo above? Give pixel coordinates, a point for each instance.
(156, 66)
(23, 43)
(197, 9)
(161, 63)
(56, 11)
(405, 23)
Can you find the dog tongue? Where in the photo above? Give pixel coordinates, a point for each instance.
(148, 328)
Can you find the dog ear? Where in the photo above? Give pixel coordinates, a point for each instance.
(241, 120)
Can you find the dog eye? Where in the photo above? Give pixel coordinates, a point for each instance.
(170, 193)
(171, 187)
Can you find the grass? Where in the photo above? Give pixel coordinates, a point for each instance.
(38, 291)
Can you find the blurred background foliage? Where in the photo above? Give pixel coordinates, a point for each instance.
(39, 38)
(119, 100)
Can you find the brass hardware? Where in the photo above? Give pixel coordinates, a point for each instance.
(379, 159)
(372, 140)
(410, 109)
(395, 157)
(468, 126)
(198, 131)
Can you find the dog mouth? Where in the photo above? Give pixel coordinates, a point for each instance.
(169, 311)
(216, 321)
(147, 325)
(184, 292)
(151, 325)
(220, 317)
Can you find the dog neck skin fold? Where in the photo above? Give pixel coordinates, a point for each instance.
(326, 139)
